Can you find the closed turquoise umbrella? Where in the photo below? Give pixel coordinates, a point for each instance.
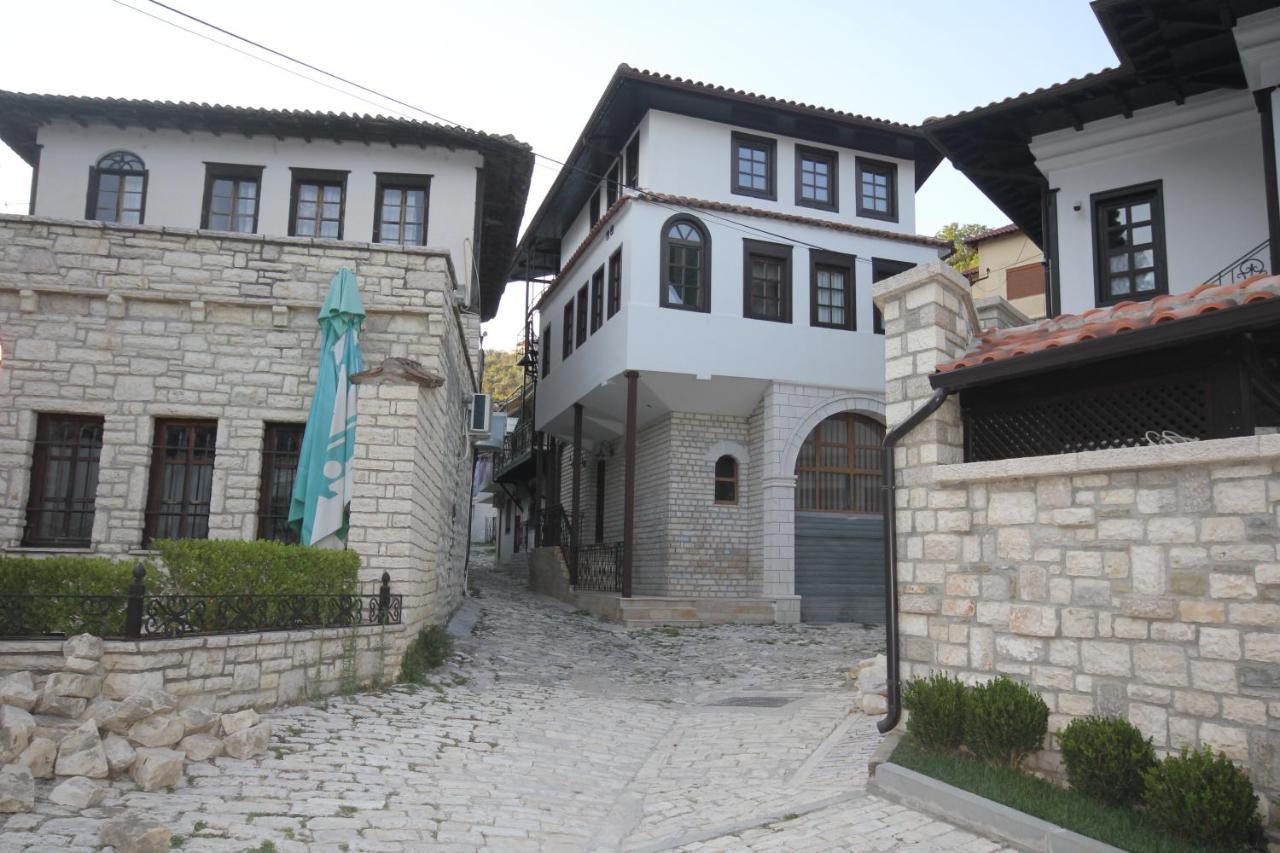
(321, 501)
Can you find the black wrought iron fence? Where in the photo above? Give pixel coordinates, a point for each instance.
(600, 567)
(138, 615)
(1251, 263)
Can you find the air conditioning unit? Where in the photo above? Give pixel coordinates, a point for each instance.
(479, 420)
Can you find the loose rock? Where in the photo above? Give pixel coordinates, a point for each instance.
(74, 684)
(249, 742)
(120, 754)
(198, 720)
(17, 789)
(157, 768)
(132, 833)
(239, 721)
(60, 706)
(201, 747)
(19, 690)
(16, 728)
(77, 793)
(81, 754)
(83, 646)
(85, 665)
(157, 730)
(39, 757)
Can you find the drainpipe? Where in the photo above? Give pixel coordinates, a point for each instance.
(891, 439)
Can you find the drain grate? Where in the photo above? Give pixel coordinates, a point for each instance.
(756, 701)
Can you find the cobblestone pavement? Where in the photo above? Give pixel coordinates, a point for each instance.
(552, 731)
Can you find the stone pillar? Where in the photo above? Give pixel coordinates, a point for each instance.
(929, 319)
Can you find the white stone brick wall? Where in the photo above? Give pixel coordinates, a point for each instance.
(1139, 582)
(135, 323)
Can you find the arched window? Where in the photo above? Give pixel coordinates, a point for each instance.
(686, 264)
(117, 189)
(839, 466)
(726, 480)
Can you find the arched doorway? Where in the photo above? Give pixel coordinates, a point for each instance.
(839, 538)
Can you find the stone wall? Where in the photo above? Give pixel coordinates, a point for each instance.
(1140, 582)
(135, 323)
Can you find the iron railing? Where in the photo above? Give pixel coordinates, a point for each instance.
(600, 567)
(515, 445)
(137, 615)
(1251, 263)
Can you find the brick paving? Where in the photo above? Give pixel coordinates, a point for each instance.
(552, 731)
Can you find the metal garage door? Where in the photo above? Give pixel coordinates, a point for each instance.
(840, 567)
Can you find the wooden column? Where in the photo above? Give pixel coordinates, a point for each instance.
(575, 534)
(535, 510)
(629, 484)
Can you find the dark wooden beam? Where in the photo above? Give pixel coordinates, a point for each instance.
(629, 484)
(575, 535)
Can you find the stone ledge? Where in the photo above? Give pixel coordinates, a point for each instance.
(987, 818)
(1246, 449)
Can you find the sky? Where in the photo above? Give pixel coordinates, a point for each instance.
(536, 69)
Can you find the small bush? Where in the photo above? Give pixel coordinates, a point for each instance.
(1005, 721)
(1205, 798)
(1106, 758)
(429, 649)
(937, 707)
(69, 576)
(229, 567)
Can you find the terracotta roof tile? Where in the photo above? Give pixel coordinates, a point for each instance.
(1001, 344)
(990, 233)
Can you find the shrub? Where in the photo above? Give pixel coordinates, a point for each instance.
(429, 649)
(1204, 798)
(1004, 721)
(937, 707)
(69, 576)
(228, 567)
(1106, 758)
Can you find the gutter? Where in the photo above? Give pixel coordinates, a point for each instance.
(887, 469)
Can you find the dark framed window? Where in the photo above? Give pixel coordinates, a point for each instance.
(882, 268)
(317, 203)
(766, 281)
(613, 184)
(580, 322)
(593, 207)
(64, 481)
(597, 299)
(726, 489)
(546, 351)
(615, 283)
(118, 189)
(838, 469)
(281, 445)
(181, 480)
(876, 184)
(1129, 243)
(686, 264)
(817, 178)
(231, 196)
(632, 166)
(566, 344)
(400, 211)
(754, 171)
(832, 287)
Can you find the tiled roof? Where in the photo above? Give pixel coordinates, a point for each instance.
(587, 242)
(1054, 89)
(994, 345)
(990, 233)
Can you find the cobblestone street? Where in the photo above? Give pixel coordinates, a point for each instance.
(553, 731)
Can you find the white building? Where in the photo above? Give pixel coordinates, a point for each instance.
(1152, 177)
(711, 254)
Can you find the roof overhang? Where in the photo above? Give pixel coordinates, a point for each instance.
(632, 92)
(508, 163)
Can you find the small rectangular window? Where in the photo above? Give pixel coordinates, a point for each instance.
(753, 166)
(1128, 244)
(817, 178)
(597, 299)
(318, 203)
(594, 207)
(632, 167)
(831, 290)
(400, 209)
(877, 189)
(64, 481)
(281, 445)
(566, 343)
(613, 184)
(231, 195)
(181, 480)
(882, 268)
(766, 287)
(581, 319)
(545, 349)
(615, 282)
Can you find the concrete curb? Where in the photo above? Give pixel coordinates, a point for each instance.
(978, 814)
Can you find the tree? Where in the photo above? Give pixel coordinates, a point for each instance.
(964, 256)
(502, 375)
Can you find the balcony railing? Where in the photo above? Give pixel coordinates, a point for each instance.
(600, 567)
(1251, 263)
(515, 446)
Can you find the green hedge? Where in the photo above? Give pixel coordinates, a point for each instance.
(63, 576)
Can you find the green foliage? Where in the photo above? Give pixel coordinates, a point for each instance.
(429, 649)
(964, 257)
(1106, 758)
(1205, 798)
(67, 576)
(937, 706)
(502, 376)
(1005, 721)
(226, 567)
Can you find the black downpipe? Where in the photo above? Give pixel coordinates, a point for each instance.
(887, 470)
